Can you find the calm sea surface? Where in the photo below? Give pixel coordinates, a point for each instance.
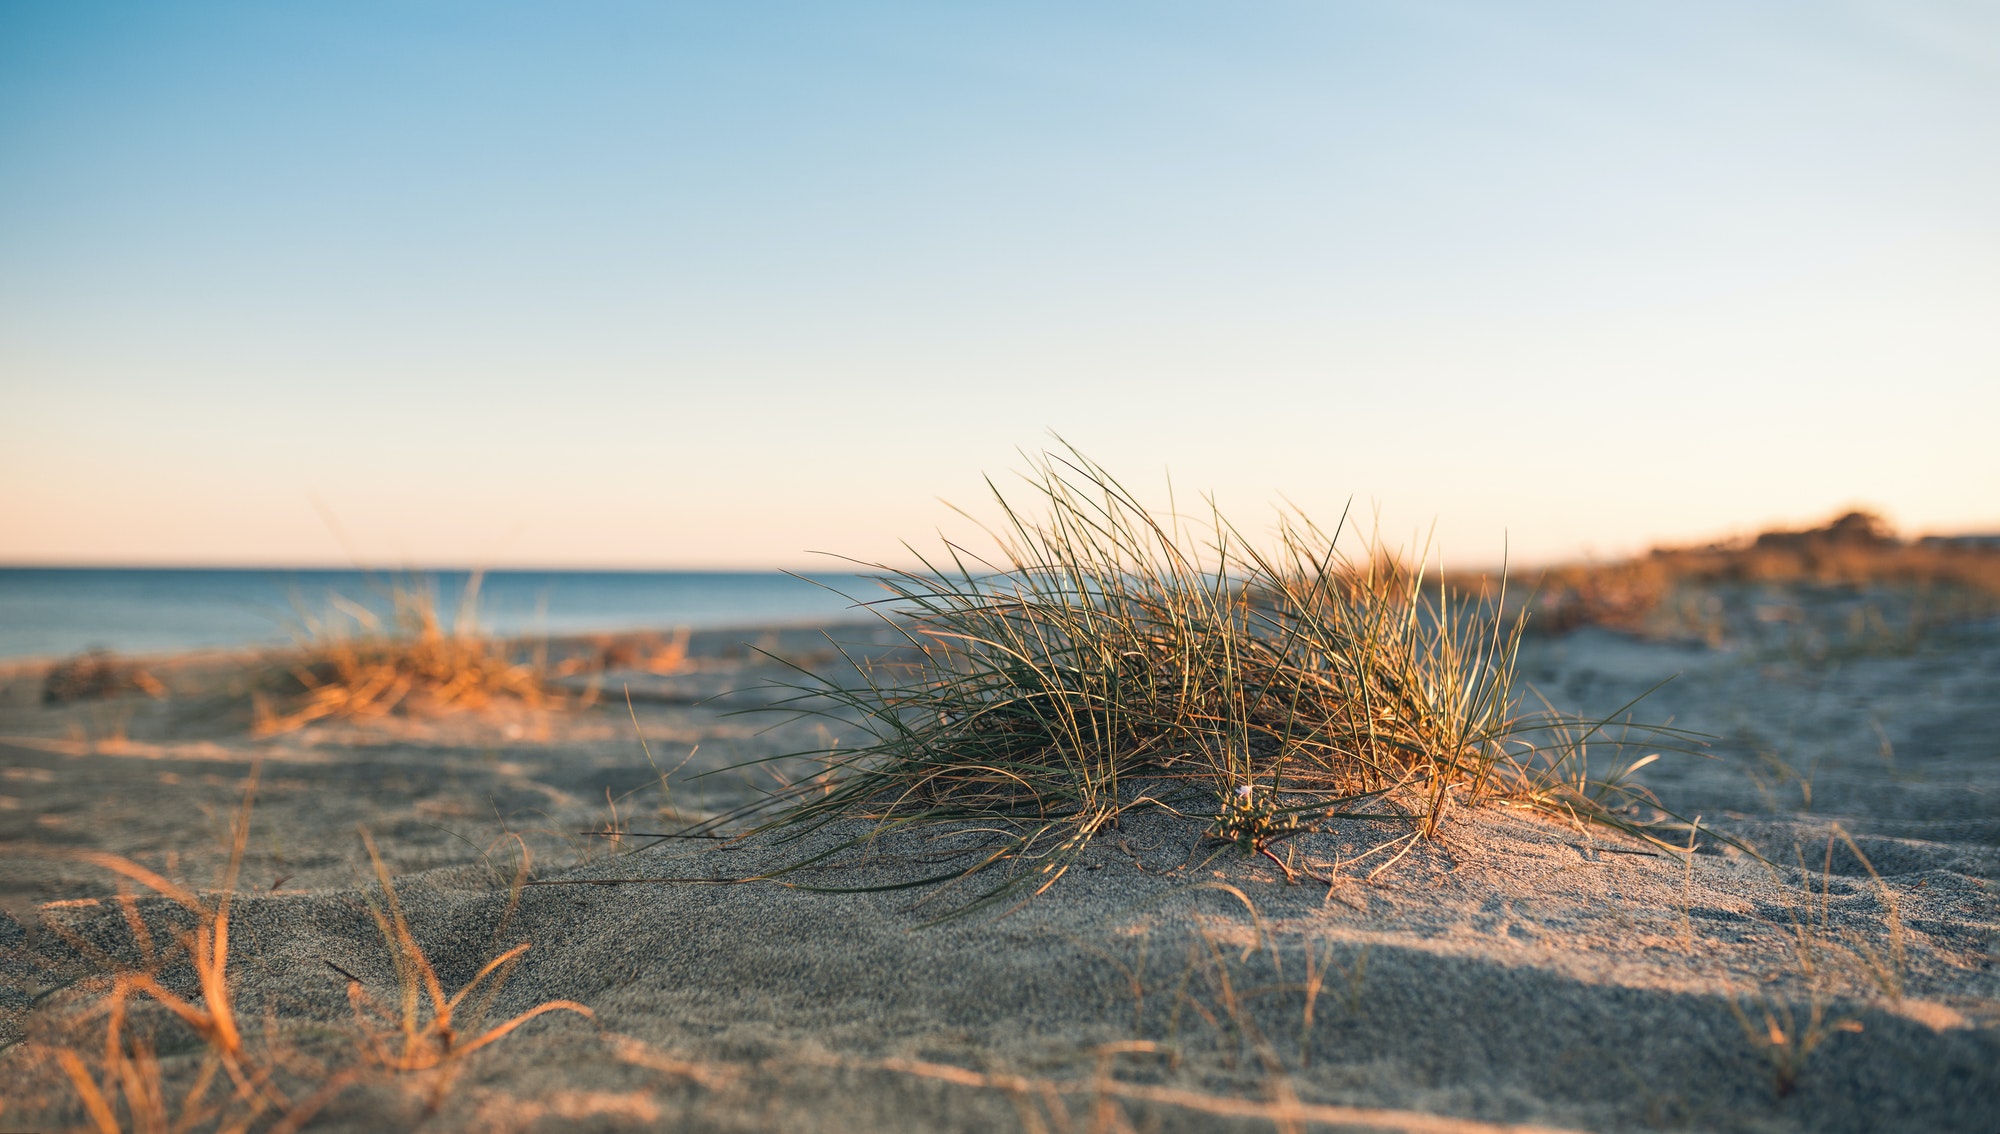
(53, 611)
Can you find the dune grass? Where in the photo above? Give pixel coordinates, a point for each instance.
(355, 662)
(1107, 658)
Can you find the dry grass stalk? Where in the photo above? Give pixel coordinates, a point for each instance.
(421, 1034)
(243, 1085)
(1785, 1041)
(235, 1088)
(1884, 968)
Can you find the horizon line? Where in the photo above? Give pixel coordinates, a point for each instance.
(454, 568)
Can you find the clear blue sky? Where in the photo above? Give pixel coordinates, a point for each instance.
(716, 284)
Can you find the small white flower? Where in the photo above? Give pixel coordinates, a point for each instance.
(1243, 792)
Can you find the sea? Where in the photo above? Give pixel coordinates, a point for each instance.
(55, 612)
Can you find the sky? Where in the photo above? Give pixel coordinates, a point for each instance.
(660, 285)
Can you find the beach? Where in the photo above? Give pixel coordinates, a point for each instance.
(1042, 568)
(1825, 960)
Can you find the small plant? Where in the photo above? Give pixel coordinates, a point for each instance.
(1821, 953)
(420, 1034)
(1224, 990)
(1821, 959)
(356, 663)
(1884, 967)
(1687, 889)
(1784, 1041)
(1227, 1006)
(1252, 822)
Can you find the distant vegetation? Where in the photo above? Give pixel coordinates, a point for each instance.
(1695, 591)
(96, 674)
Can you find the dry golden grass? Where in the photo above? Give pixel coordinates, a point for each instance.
(119, 1083)
(248, 1079)
(421, 1034)
(651, 653)
(356, 663)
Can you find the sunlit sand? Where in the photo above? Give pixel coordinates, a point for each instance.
(1518, 970)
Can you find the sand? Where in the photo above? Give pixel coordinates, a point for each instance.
(1516, 974)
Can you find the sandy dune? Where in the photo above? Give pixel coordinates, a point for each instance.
(1517, 973)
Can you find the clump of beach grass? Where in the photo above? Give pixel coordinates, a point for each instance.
(1108, 658)
(357, 662)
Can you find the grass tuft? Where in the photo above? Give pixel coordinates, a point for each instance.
(1106, 658)
(354, 662)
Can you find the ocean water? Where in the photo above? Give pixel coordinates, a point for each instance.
(58, 611)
